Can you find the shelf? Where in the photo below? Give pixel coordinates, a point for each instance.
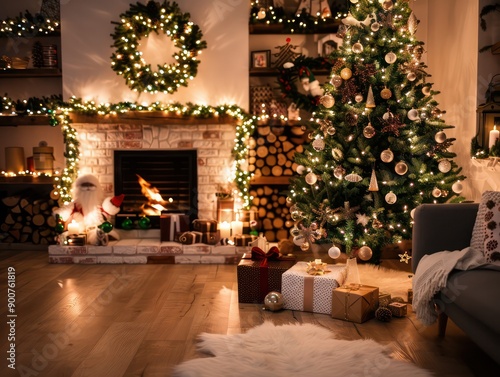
(20, 120)
(328, 26)
(30, 72)
(27, 179)
(267, 180)
(270, 72)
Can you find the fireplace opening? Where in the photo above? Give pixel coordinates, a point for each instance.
(155, 182)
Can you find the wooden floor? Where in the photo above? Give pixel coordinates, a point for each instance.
(141, 320)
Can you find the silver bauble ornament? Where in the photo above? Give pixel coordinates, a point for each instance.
(401, 168)
(387, 5)
(411, 76)
(457, 187)
(369, 131)
(336, 81)
(440, 137)
(274, 301)
(334, 252)
(346, 73)
(357, 48)
(391, 198)
(311, 178)
(375, 26)
(426, 90)
(391, 57)
(327, 101)
(386, 155)
(365, 253)
(444, 166)
(318, 145)
(413, 114)
(300, 169)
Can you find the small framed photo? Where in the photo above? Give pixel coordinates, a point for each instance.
(260, 59)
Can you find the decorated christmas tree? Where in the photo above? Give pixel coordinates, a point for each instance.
(378, 146)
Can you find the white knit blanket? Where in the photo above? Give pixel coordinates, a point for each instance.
(431, 276)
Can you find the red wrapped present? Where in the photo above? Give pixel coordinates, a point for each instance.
(244, 239)
(261, 274)
(201, 225)
(191, 237)
(173, 223)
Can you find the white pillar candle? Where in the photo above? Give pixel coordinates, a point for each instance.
(225, 229)
(237, 227)
(494, 134)
(73, 227)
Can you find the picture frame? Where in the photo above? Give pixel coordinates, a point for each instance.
(260, 59)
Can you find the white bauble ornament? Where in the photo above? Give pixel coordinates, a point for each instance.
(339, 172)
(334, 252)
(300, 169)
(327, 100)
(369, 131)
(401, 168)
(346, 73)
(391, 198)
(311, 178)
(358, 98)
(413, 114)
(436, 192)
(391, 57)
(457, 187)
(318, 145)
(440, 137)
(365, 253)
(411, 76)
(387, 115)
(288, 65)
(426, 90)
(336, 81)
(299, 240)
(386, 155)
(387, 5)
(444, 166)
(412, 213)
(375, 26)
(354, 1)
(357, 48)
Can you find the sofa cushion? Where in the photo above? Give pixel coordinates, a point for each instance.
(475, 292)
(486, 232)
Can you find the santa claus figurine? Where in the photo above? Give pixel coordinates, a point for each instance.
(90, 209)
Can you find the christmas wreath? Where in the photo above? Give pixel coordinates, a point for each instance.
(137, 23)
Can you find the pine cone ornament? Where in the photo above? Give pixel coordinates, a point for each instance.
(383, 314)
(398, 299)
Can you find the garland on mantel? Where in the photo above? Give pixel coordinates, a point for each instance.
(58, 113)
(27, 25)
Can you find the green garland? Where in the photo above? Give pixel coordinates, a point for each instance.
(137, 23)
(28, 25)
(58, 113)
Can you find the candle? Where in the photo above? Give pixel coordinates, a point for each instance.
(494, 134)
(237, 227)
(318, 261)
(73, 227)
(225, 229)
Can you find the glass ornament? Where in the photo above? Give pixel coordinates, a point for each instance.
(457, 187)
(299, 240)
(375, 26)
(357, 48)
(274, 301)
(386, 93)
(106, 227)
(358, 98)
(440, 137)
(391, 198)
(388, 5)
(436, 192)
(387, 115)
(386, 155)
(327, 101)
(411, 76)
(334, 252)
(369, 131)
(365, 253)
(295, 231)
(339, 172)
(426, 90)
(401, 168)
(391, 57)
(144, 222)
(346, 73)
(311, 178)
(59, 228)
(300, 169)
(331, 130)
(444, 166)
(318, 145)
(413, 114)
(127, 224)
(336, 81)
(295, 215)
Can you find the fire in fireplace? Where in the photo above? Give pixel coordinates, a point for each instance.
(155, 182)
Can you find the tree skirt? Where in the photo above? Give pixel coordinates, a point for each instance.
(292, 350)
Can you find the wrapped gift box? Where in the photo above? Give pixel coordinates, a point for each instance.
(205, 226)
(256, 278)
(244, 240)
(398, 309)
(355, 303)
(173, 223)
(311, 293)
(189, 238)
(384, 299)
(210, 238)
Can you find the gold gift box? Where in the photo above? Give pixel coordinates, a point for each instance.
(355, 303)
(398, 309)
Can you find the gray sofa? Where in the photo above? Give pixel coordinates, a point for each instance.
(472, 298)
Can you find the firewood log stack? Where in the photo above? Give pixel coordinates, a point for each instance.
(271, 160)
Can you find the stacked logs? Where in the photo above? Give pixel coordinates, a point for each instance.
(28, 219)
(271, 160)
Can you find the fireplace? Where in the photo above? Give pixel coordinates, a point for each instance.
(170, 174)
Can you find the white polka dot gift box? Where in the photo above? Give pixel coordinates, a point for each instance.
(311, 293)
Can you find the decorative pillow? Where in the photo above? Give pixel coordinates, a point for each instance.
(486, 232)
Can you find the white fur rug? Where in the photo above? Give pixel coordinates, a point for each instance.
(292, 350)
(390, 281)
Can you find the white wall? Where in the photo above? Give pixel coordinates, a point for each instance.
(222, 74)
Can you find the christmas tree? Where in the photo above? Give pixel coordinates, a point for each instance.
(378, 144)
